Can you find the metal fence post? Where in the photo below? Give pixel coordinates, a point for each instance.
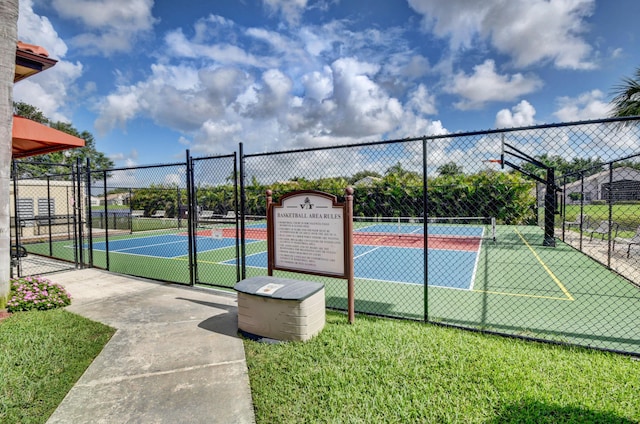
(239, 214)
(89, 212)
(610, 202)
(425, 225)
(243, 270)
(106, 225)
(49, 214)
(190, 220)
(16, 216)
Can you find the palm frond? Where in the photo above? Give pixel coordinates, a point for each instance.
(626, 100)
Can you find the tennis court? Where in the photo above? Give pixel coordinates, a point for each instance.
(376, 246)
(494, 278)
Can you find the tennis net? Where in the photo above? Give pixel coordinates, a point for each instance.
(413, 228)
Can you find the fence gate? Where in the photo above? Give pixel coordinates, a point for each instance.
(47, 218)
(216, 220)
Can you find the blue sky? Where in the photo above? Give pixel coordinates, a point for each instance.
(152, 78)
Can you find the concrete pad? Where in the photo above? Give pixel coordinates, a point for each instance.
(175, 346)
(193, 395)
(175, 357)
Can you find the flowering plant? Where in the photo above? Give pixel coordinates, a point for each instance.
(36, 293)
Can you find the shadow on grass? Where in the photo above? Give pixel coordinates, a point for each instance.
(362, 306)
(533, 411)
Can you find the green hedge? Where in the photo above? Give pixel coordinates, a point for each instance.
(507, 197)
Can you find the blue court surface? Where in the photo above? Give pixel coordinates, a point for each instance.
(401, 265)
(165, 246)
(449, 268)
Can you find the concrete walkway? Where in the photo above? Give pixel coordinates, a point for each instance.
(175, 357)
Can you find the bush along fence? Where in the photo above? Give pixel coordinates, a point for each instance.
(528, 232)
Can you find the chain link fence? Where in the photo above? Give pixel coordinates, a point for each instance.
(492, 231)
(46, 217)
(140, 221)
(529, 232)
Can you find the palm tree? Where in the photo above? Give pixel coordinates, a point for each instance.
(627, 97)
(8, 39)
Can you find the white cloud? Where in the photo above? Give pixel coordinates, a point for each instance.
(172, 180)
(179, 97)
(38, 30)
(363, 107)
(318, 84)
(422, 101)
(302, 101)
(116, 109)
(617, 53)
(415, 126)
(180, 77)
(222, 53)
(589, 105)
(416, 67)
(529, 31)
(271, 96)
(130, 157)
(216, 135)
(521, 115)
(48, 91)
(317, 42)
(486, 85)
(291, 10)
(113, 25)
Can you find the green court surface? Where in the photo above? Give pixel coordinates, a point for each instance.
(519, 288)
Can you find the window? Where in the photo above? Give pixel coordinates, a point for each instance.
(25, 211)
(43, 206)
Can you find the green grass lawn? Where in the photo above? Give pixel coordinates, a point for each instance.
(390, 371)
(42, 355)
(627, 216)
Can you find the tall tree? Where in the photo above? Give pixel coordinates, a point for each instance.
(450, 168)
(363, 174)
(34, 166)
(8, 40)
(30, 112)
(398, 171)
(627, 96)
(573, 168)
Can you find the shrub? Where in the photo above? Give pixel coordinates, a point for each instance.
(29, 293)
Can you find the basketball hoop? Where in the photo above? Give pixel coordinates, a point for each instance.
(498, 161)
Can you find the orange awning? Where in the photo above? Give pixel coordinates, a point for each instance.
(31, 138)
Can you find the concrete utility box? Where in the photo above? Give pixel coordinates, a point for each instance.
(280, 308)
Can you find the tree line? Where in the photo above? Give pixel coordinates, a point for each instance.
(59, 163)
(398, 193)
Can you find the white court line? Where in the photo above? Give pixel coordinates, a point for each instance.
(475, 266)
(148, 245)
(408, 283)
(364, 228)
(367, 252)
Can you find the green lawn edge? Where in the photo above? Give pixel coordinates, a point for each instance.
(384, 370)
(42, 355)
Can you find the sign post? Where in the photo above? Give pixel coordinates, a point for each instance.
(311, 233)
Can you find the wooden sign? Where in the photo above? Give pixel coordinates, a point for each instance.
(310, 232)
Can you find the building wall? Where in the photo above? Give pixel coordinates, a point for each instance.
(594, 185)
(61, 197)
